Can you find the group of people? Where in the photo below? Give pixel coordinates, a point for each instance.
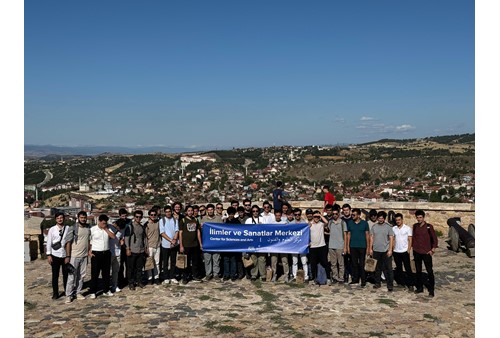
(340, 241)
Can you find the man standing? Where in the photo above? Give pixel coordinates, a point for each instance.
(79, 240)
(347, 218)
(190, 244)
(169, 231)
(212, 259)
(258, 258)
(278, 196)
(337, 245)
(278, 219)
(425, 243)
(267, 215)
(58, 252)
(153, 244)
(403, 242)
(358, 237)
(381, 244)
(295, 257)
(123, 214)
(135, 246)
(247, 204)
(100, 255)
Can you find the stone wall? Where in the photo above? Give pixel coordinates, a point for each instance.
(435, 213)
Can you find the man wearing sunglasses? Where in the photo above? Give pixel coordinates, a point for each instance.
(135, 246)
(337, 245)
(153, 244)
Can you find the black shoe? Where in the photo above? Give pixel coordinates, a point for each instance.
(377, 286)
(419, 291)
(253, 279)
(411, 289)
(353, 282)
(55, 296)
(431, 293)
(131, 287)
(363, 284)
(142, 286)
(390, 289)
(226, 278)
(340, 282)
(234, 278)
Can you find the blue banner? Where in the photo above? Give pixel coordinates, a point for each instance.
(272, 238)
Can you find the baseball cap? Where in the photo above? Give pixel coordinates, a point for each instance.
(309, 211)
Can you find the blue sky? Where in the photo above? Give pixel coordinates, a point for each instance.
(246, 73)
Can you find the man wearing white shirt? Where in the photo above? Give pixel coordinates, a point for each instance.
(100, 255)
(278, 219)
(169, 232)
(56, 253)
(258, 258)
(403, 243)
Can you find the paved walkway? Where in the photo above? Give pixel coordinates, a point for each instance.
(258, 309)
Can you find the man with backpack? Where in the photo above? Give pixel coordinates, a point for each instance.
(424, 243)
(135, 248)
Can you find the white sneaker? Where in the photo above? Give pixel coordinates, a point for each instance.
(92, 296)
(108, 294)
(166, 281)
(80, 296)
(174, 281)
(68, 300)
(117, 289)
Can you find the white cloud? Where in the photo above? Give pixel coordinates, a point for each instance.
(403, 128)
(367, 118)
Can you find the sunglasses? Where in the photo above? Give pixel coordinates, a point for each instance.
(138, 216)
(297, 214)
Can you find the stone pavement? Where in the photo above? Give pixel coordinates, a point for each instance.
(258, 309)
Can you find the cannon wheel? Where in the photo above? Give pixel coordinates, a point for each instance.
(454, 239)
(472, 230)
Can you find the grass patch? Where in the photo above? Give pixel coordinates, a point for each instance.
(231, 314)
(439, 233)
(310, 295)
(210, 324)
(297, 285)
(227, 329)
(278, 319)
(238, 295)
(267, 296)
(319, 332)
(388, 302)
(257, 283)
(204, 297)
(29, 305)
(431, 317)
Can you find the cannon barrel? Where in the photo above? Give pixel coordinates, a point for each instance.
(465, 237)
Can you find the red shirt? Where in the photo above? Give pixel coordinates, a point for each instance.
(329, 198)
(421, 239)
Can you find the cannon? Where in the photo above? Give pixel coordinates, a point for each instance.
(458, 236)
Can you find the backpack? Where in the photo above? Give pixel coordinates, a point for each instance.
(321, 275)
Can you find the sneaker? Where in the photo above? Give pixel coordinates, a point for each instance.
(253, 279)
(55, 296)
(166, 281)
(108, 294)
(226, 278)
(174, 281)
(216, 279)
(431, 294)
(234, 278)
(80, 296)
(377, 286)
(419, 290)
(142, 286)
(390, 289)
(363, 285)
(184, 282)
(208, 278)
(92, 296)
(196, 280)
(68, 300)
(131, 287)
(117, 289)
(351, 283)
(411, 288)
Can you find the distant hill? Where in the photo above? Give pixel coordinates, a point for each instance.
(53, 152)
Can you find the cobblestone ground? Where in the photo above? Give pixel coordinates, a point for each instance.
(258, 309)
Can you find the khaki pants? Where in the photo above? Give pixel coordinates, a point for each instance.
(259, 264)
(284, 262)
(336, 257)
